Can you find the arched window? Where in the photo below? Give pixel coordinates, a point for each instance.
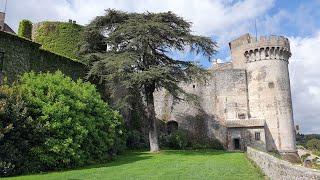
(172, 126)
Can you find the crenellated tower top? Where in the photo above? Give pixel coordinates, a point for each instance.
(247, 48)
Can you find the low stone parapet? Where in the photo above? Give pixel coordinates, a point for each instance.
(279, 169)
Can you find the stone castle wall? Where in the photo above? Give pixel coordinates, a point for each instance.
(266, 63)
(22, 55)
(218, 102)
(254, 86)
(277, 169)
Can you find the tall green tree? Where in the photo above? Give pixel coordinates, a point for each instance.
(132, 50)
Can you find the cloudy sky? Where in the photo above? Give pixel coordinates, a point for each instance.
(222, 20)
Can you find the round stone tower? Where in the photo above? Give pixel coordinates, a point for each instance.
(269, 95)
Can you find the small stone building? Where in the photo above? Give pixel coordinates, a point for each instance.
(245, 102)
(3, 26)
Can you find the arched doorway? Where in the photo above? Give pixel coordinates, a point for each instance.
(172, 126)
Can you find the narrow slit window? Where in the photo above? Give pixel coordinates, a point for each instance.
(257, 136)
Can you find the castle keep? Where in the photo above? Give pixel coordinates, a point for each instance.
(245, 102)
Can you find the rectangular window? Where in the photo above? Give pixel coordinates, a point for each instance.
(242, 116)
(257, 136)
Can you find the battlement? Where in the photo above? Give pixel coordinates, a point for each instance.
(247, 49)
(247, 41)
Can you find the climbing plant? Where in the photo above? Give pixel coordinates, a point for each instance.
(59, 37)
(25, 29)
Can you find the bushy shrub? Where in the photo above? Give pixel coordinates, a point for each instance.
(215, 144)
(58, 123)
(16, 130)
(183, 139)
(304, 157)
(178, 139)
(313, 144)
(136, 140)
(25, 29)
(207, 143)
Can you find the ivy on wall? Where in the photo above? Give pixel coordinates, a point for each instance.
(22, 55)
(25, 29)
(58, 37)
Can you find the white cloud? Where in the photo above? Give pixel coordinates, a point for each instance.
(225, 19)
(221, 19)
(303, 21)
(305, 82)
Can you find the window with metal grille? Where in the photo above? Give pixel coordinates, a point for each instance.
(257, 136)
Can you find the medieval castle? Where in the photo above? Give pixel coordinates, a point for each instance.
(245, 102)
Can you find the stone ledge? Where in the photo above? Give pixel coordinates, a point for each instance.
(276, 168)
(245, 123)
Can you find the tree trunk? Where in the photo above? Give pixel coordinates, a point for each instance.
(153, 131)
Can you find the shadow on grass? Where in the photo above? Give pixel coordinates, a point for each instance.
(124, 158)
(134, 156)
(197, 152)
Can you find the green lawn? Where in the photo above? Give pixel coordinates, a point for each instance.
(164, 165)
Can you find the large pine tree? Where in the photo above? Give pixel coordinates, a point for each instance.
(132, 50)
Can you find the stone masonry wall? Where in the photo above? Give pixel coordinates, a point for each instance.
(222, 98)
(255, 85)
(279, 169)
(22, 55)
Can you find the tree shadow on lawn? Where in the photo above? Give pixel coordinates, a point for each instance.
(197, 152)
(134, 156)
(121, 159)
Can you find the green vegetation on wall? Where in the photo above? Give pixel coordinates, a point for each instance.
(22, 55)
(25, 29)
(59, 37)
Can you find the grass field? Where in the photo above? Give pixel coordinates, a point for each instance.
(164, 165)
